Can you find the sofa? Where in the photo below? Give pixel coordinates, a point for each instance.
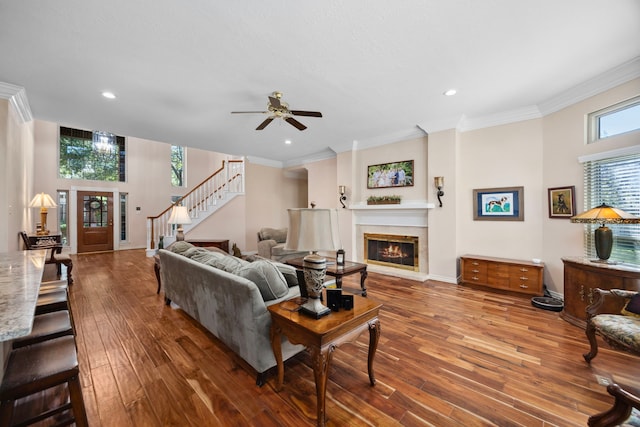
(229, 297)
(271, 242)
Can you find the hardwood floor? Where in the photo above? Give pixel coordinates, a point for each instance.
(448, 356)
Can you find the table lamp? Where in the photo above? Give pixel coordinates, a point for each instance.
(179, 216)
(313, 230)
(603, 236)
(42, 201)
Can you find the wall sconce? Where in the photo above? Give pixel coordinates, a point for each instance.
(342, 190)
(439, 183)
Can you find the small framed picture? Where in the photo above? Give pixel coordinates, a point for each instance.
(562, 202)
(498, 204)
(340, 257)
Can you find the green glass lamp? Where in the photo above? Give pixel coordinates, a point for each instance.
(603, 236)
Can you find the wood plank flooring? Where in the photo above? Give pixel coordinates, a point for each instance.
(448, 356)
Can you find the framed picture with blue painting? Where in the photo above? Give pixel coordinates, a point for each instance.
(498, 204)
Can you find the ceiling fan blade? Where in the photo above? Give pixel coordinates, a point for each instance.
(249, 112)
(275, 102)
(306, 113)
(295, 123)
(265, 123)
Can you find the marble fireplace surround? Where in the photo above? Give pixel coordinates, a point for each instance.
(406, 219)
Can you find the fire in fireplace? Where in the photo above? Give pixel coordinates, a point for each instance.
(391, 250)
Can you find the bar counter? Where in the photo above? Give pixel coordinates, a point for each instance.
(20, 278)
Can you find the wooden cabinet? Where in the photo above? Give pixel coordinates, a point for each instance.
(217, 243)
(502, 273)
(581, 277)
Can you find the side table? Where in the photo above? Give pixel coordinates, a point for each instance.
(338, 271)
(322, 336)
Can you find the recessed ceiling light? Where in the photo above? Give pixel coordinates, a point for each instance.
(450, 92)
(287, 141)
(108, 95)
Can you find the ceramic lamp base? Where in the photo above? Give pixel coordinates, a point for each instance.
(314, 308)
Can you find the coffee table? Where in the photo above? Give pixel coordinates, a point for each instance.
(338, 271)
(322, 336)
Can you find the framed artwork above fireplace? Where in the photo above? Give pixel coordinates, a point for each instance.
(385, 175)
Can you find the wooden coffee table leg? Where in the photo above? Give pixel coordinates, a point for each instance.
(321, 359)
(363, 277)
(374, 336)
(276, 346)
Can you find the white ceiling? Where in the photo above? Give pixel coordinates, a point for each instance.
(376, 69)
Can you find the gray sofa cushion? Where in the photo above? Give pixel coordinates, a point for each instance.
(267, 277)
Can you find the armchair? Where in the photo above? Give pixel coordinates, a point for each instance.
(271, 243)
(611, 316)
(56, 256)
(625, 404)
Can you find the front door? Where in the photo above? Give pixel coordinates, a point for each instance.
(95, 221)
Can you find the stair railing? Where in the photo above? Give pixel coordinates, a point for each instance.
(228, 179)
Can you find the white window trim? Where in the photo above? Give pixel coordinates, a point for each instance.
(593, 124)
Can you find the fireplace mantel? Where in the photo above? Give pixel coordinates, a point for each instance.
(410, 214)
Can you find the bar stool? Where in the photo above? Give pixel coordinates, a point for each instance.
(38, 367)
(45, 327)
(54, 300)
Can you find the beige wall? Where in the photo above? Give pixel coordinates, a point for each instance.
(148, 180)
(414, 149)
(16, 187)
(564, 141)
(269, 192)
(501, 156)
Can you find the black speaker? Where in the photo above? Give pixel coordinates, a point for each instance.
(347, 302)
(334, 299)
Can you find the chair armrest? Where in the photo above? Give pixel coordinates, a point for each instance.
(264, 248)
(608, 301)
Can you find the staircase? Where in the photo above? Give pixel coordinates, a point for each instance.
(210, 195)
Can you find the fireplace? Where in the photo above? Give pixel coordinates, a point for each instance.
(391, 250)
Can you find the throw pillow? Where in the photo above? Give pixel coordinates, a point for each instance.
(180, 247)
(205, 256)
(632, 308)
(288, 272)
(229, 263)
(191, 252)
(267, 277)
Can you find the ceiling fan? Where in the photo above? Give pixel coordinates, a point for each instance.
(280, 110)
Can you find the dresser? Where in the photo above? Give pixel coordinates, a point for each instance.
(502, 273)
(581, 277)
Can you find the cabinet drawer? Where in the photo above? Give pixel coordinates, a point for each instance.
(498, 275)
(523, 278)
(474, 271)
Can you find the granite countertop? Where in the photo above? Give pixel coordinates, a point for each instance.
(20, 278)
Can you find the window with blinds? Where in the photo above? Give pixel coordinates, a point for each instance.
(616, 182)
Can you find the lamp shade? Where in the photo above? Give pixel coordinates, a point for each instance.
(313, 230)
(605, 214)
(603, 236)
(42, 200)
(179, 215)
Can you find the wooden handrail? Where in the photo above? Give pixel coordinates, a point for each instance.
(199, 199)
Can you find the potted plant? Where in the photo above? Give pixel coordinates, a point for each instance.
(384, 200)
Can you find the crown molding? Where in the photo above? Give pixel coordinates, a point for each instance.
(502, 118)
(17, 97)
(313, 157)
(609, 79)
(403, 135)
(264, 162)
